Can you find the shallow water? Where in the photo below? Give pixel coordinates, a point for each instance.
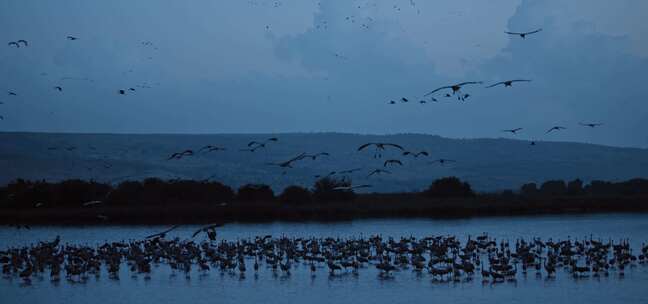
(403, 287)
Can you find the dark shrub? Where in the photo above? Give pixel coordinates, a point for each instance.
(449, 187)
(323, 190)
(255, 193)
(295, 195)
(575, 187)
(553, 188)
(529, 190)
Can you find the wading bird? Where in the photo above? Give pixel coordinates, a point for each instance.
(508, 83)
(523, 35)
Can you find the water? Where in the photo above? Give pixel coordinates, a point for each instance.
(404, 287)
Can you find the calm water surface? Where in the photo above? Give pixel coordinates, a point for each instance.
(404, 287)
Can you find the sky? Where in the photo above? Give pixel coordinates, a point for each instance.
(256, 66)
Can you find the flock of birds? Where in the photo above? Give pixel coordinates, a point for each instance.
(441, 258)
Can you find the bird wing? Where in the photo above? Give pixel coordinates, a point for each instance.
(553, 128)
(250, 144)
(495, 84)
(364, 146)
(394, 145)
(469, 82)
(520, 80)
(513, 33)
(517, 129)
(436, 90)
(273, 139)
(533, 32)
(424, 153)
(13, 43)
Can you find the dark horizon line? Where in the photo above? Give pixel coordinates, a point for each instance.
(198, 134)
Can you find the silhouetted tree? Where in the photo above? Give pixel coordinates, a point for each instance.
(449, 187)
(553, 188)
(323, 190)
(295, 195)
(575, 187)
(255, 193)
(529, 190)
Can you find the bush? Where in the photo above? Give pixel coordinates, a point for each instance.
(575, 187)
(529, 190)
(295, 195)
(323, 190)
(255, 193)
(553, 188)
(449, 187)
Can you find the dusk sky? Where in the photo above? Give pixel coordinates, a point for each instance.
(235, 66)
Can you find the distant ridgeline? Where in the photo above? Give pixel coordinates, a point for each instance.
(159, 201)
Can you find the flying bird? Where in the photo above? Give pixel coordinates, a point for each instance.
(392, 161)
(348, 188)
(12, 93)
(60, 89)
(415, 154)
(206, 229)
(514, 131)
(392, 102)
(455, 87)
(379, 147)
(179, 155)
(13, 43)
(288, 163)
(523, 35)
(378, 171)
(122, 92)
(23, 42)
(422, 101)
(443, 161)
(163, 233)
(349, 171)
(404, 99)
(316, 155)
(72, 38)
(508, 83)
(556, 128)
(210, 148)
(591, 125)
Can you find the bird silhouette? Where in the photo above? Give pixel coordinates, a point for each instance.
(591, 125)
(392, 102)
(23, 42)
(60, 89)
(392, 162)
(349, 171)
(72, 38)
(378, 171)
(211, 148)
(122, 92)
(508, 83)
(163, 233)
(404, 99)
(316, 155)
(443, 161)
(555, 128)
(180, 155)
(514, 131)
(206, 229)
(455, 87)
(524, 34)
(417, 154)
(288, 163)
(13, 43)
(379, 147)
(12, 93)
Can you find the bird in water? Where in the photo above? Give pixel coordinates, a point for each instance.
(513, 131)
(524, 34)
(508, 83)
(555, 128)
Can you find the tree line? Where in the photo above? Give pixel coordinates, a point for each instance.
(157, 192)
